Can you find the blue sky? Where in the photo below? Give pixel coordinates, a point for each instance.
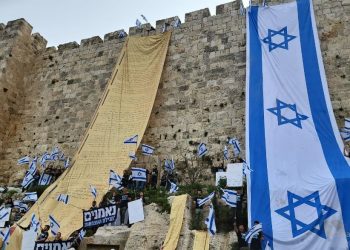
(61, 21)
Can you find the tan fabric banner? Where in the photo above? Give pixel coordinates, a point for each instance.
(124, 111)
(201, 240)
(176, 220)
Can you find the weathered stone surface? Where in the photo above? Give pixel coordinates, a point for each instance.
(48, 96)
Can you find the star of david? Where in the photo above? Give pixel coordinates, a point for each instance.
(282, 119)
(273, 41)
(312, 200)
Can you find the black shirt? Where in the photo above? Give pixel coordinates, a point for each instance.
(241, 239)
(43, 236)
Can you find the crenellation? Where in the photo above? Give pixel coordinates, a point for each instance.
(197, 15)
(114, 35)
(91, 41)
(145, 30)
(228, 8)
(68, 46)
(166, 24)
(39, 42)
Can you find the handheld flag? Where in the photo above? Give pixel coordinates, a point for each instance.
(252, 232)
(138, 23)
(4, 212)
(131, 140)
(32, 168)
(54, 154)
(202, 150)
(345, 134)
(210, 221)
(173, 187)
(5, 235)
(23, 160)
(115, 180)
(45, 157)
(347, 124)
(236, 146)
(23, 207)
(226, 155)
(66, 163)
(30, 196)
(64, 198)
(34, 223)
(139, 174)
(132, 156)
(44, 180)
(93, 191)
(169, 165)
(201, 202)
(54, 225)
(82, 233)
(229, 197)
(27, 180)
(246, 169)
(147, 149)
(144, 18)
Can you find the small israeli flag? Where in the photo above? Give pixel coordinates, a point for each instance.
(16, 204)
(229, 197)
(131, 140)
(177, 22)
(45, 179)
(64, 198)
(115, 180)
(138, 23)
(93, 191)
(147, 149)
(81, 234)
(62, 157)
(144, 18)
(4, 212)
(201, 202)
(66, 163)
(246, 169)
(23, 207)
(122, 34)
(347, 124)
(30, 196)
(54, 154)
(139, 174)
(252, 232)
(32, 168)
(5, 235)
(173, 187)
(226, 155)
(210, 221)
(28, 179)
(169, 165)
(23, 160)
(236, 146)
(345, 134)
(132, 156)
(45, 157)
(202, 150)
(54, 225)
(34, 223)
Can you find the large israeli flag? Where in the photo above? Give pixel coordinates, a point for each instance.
(299, 189)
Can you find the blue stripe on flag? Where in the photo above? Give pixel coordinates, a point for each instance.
(53, 219)
(260, 195)
(334, 157)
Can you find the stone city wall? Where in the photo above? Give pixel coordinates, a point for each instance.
(49, 95)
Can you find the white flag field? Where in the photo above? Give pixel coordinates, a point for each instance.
(299, 189)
